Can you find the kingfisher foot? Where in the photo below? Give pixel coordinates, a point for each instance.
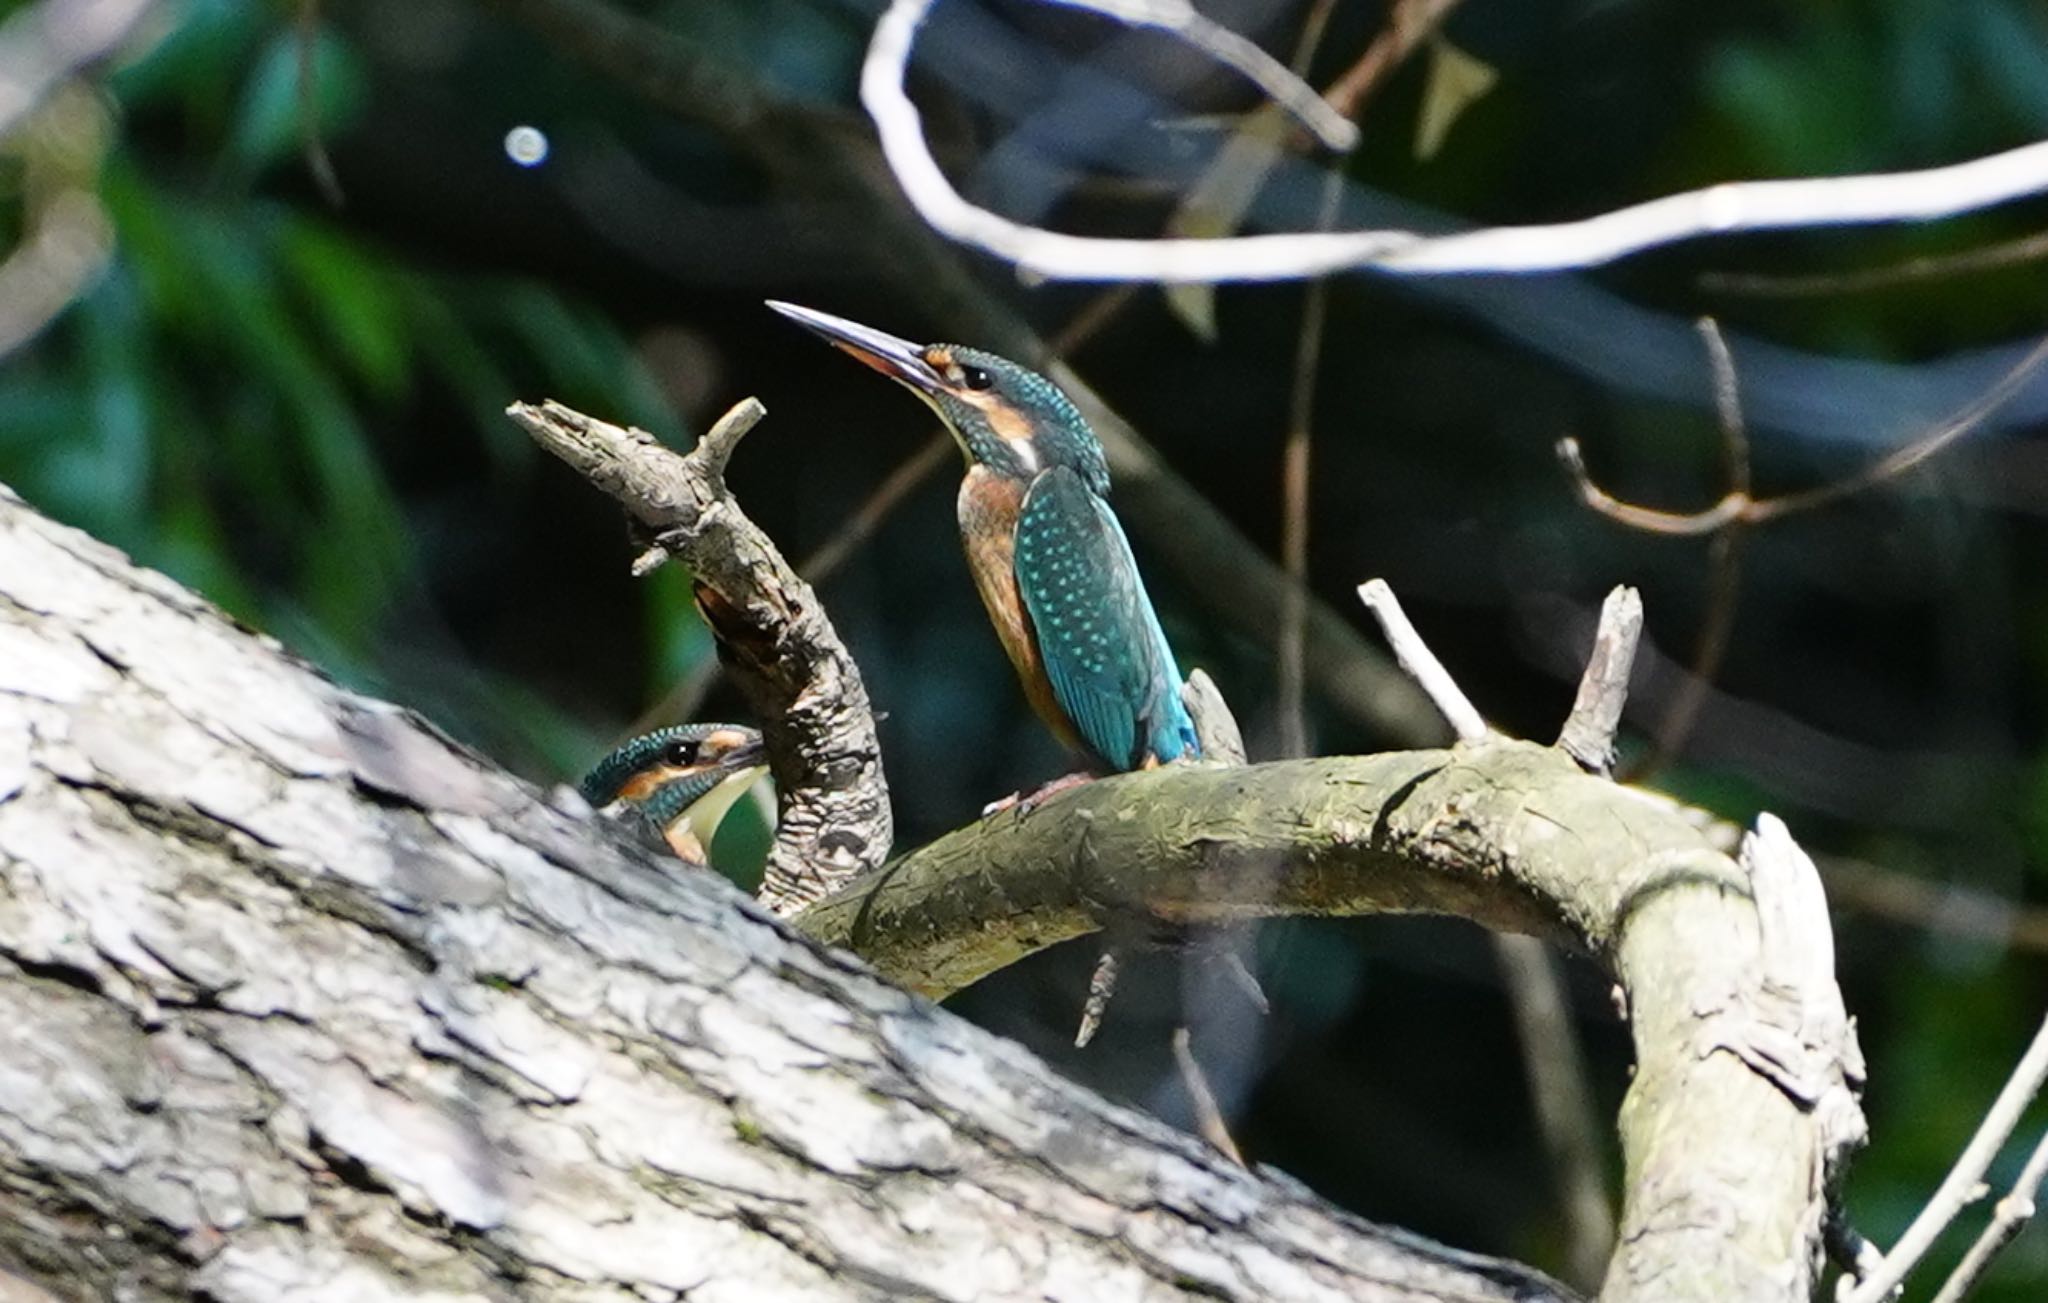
(1026, 802)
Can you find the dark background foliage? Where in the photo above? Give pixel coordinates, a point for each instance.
(295, 405)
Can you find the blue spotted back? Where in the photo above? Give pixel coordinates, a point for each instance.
(1104, 652)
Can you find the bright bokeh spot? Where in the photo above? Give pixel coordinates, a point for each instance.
(526, 146)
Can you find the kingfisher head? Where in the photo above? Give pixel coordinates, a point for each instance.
(682, 779)
(1004, 416)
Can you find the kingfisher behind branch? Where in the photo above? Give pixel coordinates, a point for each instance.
(682, 779)
(1048, 556)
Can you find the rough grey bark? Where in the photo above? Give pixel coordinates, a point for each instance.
(300, 999)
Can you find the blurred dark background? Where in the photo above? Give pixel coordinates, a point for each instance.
(289, 394)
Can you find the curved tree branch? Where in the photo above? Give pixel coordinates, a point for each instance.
(1730, 1154)
(1716, 210)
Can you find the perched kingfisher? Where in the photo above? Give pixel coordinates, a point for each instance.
(682, 779)
(1048, 556)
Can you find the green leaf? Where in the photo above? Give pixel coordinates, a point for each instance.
(267, 126)
(681, 642)
(1456, 82)
(208, 43)
(355, 304)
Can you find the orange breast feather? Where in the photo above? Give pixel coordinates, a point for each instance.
(988, 507)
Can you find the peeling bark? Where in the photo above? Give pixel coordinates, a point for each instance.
(301, 999)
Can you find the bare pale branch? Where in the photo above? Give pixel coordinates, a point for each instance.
(1960, 1188)
(1421, 663)
(1724, 209)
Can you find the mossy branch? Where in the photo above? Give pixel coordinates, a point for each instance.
(1744, 1102)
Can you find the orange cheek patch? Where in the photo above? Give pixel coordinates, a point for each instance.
(643, 784)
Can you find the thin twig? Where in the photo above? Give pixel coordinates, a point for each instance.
(311, 146)
(1313, 24)
(1588, 732)
(1967, 418)
(1208, 1117)
(2007, 1219)
(1408, 25)
(1724, 563)
(1290, 673)
(2010, 253)
(1740, 506)
(1650, 520)
(1295, 481)
(1421, 663)
(1089, 321)
(1565, 1110)
(1727, 405)
(1945, 909)
(858, 528)
(1722, 209)
(1960, 1187)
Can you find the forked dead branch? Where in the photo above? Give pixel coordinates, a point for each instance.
(773, 636)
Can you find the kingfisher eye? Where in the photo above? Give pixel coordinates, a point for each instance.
(682, 753)
(975, 378)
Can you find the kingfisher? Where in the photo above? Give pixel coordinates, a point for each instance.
(1048, 557)
(682, 779)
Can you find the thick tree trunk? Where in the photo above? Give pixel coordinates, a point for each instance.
(299, 999)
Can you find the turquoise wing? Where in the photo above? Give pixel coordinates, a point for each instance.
(1108, 661)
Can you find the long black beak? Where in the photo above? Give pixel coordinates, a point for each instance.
(899, 359)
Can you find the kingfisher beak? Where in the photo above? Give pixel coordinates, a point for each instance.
(899, 359)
